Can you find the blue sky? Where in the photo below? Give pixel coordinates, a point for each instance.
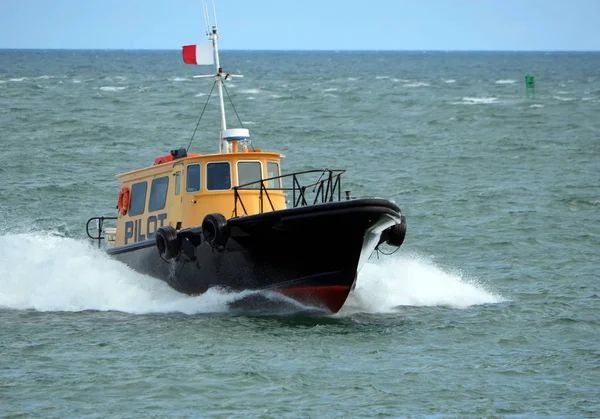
(305, 24)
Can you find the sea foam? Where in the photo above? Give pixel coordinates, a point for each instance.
(53, 273)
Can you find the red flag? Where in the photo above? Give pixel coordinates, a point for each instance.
(189, 54)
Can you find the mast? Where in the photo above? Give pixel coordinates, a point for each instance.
(199, 55)
(213, 35)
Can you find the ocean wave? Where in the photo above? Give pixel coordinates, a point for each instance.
(251, 91)
(417, 84)
(112, 88)
(476, 101)
(564, 98)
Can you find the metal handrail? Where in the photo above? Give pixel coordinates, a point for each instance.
(324, 189)
(99, 226)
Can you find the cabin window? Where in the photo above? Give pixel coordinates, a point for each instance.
(192, 181)
(158, 193)
(249, 171)
(273, 171)
(218, 176)
(138, 198)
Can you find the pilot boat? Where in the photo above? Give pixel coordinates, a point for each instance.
(235, 221)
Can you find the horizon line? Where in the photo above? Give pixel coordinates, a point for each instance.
(301, 50)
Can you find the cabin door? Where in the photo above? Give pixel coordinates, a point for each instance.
(176, 196)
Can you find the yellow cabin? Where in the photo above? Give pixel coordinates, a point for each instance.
(181, 189)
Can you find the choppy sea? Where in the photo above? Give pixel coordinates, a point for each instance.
(490, 309)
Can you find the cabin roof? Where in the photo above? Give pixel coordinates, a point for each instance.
(166, 167)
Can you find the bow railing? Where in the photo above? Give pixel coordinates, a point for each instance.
(327, 188)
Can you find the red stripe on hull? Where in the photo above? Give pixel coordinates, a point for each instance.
(332, 298)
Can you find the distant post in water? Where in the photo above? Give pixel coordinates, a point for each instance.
(529, 86)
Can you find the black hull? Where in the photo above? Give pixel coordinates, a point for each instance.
(311, 253)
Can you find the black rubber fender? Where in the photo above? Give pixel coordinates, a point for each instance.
(167, 242)
(215, 229)
(395, 234)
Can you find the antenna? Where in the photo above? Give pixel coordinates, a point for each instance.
(215, 13)
(206, 18)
